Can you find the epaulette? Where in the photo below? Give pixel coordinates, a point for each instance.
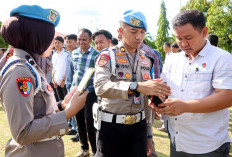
(12, 60)
(111, 51)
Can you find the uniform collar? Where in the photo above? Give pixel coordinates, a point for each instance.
(23, 54)
(204, 51)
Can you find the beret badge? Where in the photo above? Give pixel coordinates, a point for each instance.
(135, 22)
(52, 16)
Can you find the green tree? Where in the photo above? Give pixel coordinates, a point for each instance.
(219, 22)
(163, 27)
(219, 19)
(149, 40)
(201, 5)
(3, 44)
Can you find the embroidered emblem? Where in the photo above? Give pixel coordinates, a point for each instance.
(119, 54)
(122, 49)
(49, 87)
(120, 74)
(24, 85)
(204, 65)
(144, 62)
(142, 56)
(10, 53)
(146, 76)
(134, 21)
(127, 75)
(105, 56)
(52, 15)
(102, 62)
(122, 60)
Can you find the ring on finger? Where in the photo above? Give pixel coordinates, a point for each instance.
(160, 91)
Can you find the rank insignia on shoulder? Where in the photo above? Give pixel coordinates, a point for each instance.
(49, 87)
(24, 85)
(122, 60)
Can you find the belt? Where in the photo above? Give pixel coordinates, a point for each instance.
(48, 139)
(123, 119)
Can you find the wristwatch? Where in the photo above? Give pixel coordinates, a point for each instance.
(133, 86)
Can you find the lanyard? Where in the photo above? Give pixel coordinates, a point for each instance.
(132, 68)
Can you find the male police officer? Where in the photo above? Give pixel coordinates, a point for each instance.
(122, 79)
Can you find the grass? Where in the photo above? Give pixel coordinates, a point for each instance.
(160, 138)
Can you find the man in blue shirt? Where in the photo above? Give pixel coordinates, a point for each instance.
(83, 58)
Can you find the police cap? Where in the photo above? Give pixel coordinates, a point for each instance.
(37, 12)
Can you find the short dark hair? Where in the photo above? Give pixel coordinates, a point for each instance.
(106, 33)
(71, 36)
(59, 38)
(193, 17)
(87, 31)
(174, 45)
(167, 44)
(213, 39)
(114, 41)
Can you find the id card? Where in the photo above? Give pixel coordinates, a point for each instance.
(137, 98)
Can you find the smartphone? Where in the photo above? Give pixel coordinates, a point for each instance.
(156, 100)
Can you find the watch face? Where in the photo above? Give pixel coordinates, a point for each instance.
(133, 86)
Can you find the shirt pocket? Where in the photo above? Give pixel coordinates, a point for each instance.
(39, 105)
(201, 82)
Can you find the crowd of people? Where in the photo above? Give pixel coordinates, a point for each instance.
(130, 88)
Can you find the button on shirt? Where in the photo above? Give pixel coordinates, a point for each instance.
(81, 62)
(199, 133)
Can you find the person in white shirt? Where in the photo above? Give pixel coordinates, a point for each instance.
(201, 82)
(167, 50)
(59, 62)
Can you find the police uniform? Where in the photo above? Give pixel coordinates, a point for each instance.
(29, 102)
(121, 125)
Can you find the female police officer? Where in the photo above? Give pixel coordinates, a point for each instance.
(25, 94)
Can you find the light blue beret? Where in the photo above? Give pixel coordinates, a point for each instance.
(135, 18)
(37, 12)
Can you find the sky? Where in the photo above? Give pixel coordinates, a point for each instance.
(98, 14)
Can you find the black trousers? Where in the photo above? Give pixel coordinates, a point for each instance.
(119, 140)
(85, 123)
(61, 92)
(222, 151)
(55, 93)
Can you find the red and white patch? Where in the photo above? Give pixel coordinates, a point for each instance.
(146, 76)
(24, 85)
(105, 56)
(204, 65)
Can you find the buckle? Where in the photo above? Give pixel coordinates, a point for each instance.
(130, 119)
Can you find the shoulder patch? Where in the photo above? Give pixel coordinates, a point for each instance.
(24, 85)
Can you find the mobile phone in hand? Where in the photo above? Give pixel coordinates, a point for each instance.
(156, 100)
